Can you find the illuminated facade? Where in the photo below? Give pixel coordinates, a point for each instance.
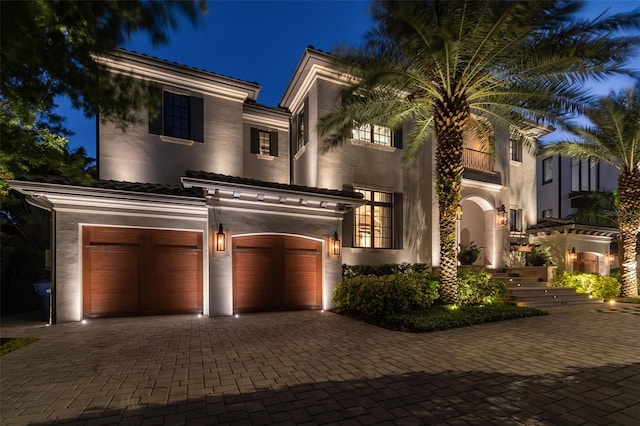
(217, 204)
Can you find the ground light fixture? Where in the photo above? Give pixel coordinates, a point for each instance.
(220, 239)
(501, 216)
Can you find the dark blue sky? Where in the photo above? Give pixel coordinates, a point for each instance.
(262, 41)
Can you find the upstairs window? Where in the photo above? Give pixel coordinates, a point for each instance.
(375, 134)
(264, 142)
(299, 128)
(516, 151)
(547, 170)
(176, 116)
(180, 116)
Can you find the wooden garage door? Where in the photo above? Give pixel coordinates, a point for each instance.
(128, 271)
(276, 272)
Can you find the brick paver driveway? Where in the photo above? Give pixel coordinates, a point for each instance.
(575, 366)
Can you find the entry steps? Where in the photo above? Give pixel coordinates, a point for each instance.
(531, 291)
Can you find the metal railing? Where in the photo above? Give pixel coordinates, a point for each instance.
(477, 160)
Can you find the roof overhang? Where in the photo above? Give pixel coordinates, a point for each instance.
(60, 197)
(169, 73)
(572, 228)
(263, 198)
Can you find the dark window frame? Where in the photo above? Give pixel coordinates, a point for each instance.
(516, 151)
(368, 210)
(515, 220)
(547, 179)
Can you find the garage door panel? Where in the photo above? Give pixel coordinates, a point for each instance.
(177, 283)
(114, 281)
(275, 272)
(301, 280)
(117, 236)
(141, 271)
(253, 274)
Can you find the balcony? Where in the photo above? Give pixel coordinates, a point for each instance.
(478, 165)
(477, 160)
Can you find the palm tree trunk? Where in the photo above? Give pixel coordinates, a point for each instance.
(449, 124)
(629, 224)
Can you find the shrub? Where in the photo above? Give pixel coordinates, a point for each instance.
(443, 317)
(468, 253)
(603, 286)
(477, 288)
(375, 296)
(351, 271)
(616, 274)
(540, 256)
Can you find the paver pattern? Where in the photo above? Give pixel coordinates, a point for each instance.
(575, 366)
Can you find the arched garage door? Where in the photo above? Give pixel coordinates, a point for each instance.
(129, 271)
(276, 272)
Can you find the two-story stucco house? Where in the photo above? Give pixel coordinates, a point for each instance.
(217, 204)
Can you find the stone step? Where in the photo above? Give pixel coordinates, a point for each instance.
(541, 292)
(552, 297)
(556, 302)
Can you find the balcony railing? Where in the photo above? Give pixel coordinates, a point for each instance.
(477, 160)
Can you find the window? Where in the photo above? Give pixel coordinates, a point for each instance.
(299, 125)
(180, 116)
(547, 214)
(547, 170)
(176, 115)
(264, 142)
(516, 151)
(373, 225)
(378, 135)
(515, 220)
(585, 175)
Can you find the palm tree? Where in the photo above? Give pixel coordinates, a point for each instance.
(614, 137)
(451, 67)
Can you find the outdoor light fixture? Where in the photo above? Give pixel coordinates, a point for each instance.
(572, 256)
(220, 239)
(459, 214)
(501, 216)
(335, 244)
(609, 258)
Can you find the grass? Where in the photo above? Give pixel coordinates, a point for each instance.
(11, 344)
(447, 317)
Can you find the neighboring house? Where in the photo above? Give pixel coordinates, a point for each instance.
(562, 183)
(217, 204)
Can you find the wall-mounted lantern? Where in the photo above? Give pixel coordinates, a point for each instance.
(572, 256)
(335, 244)
(459, 213)
(220, 239)
(502, 218)
(609, 258)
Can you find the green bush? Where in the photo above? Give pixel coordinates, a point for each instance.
(468, 253)
(604, 286)
(351, 271)
(375, 296)
(540, 256)
(446, 317)
(477, 288)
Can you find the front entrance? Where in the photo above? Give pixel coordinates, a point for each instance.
(276, 272)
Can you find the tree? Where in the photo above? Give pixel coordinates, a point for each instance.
(51, 48)
(451, 67)
(614, 137)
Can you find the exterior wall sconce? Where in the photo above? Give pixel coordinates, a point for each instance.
(501, 216)
(572, 256)
(459, 214)
(220, 239)
(609, 258)
(335, 244)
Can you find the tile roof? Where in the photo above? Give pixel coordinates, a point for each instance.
(215, 177)
(148, 188)
(166, 61)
